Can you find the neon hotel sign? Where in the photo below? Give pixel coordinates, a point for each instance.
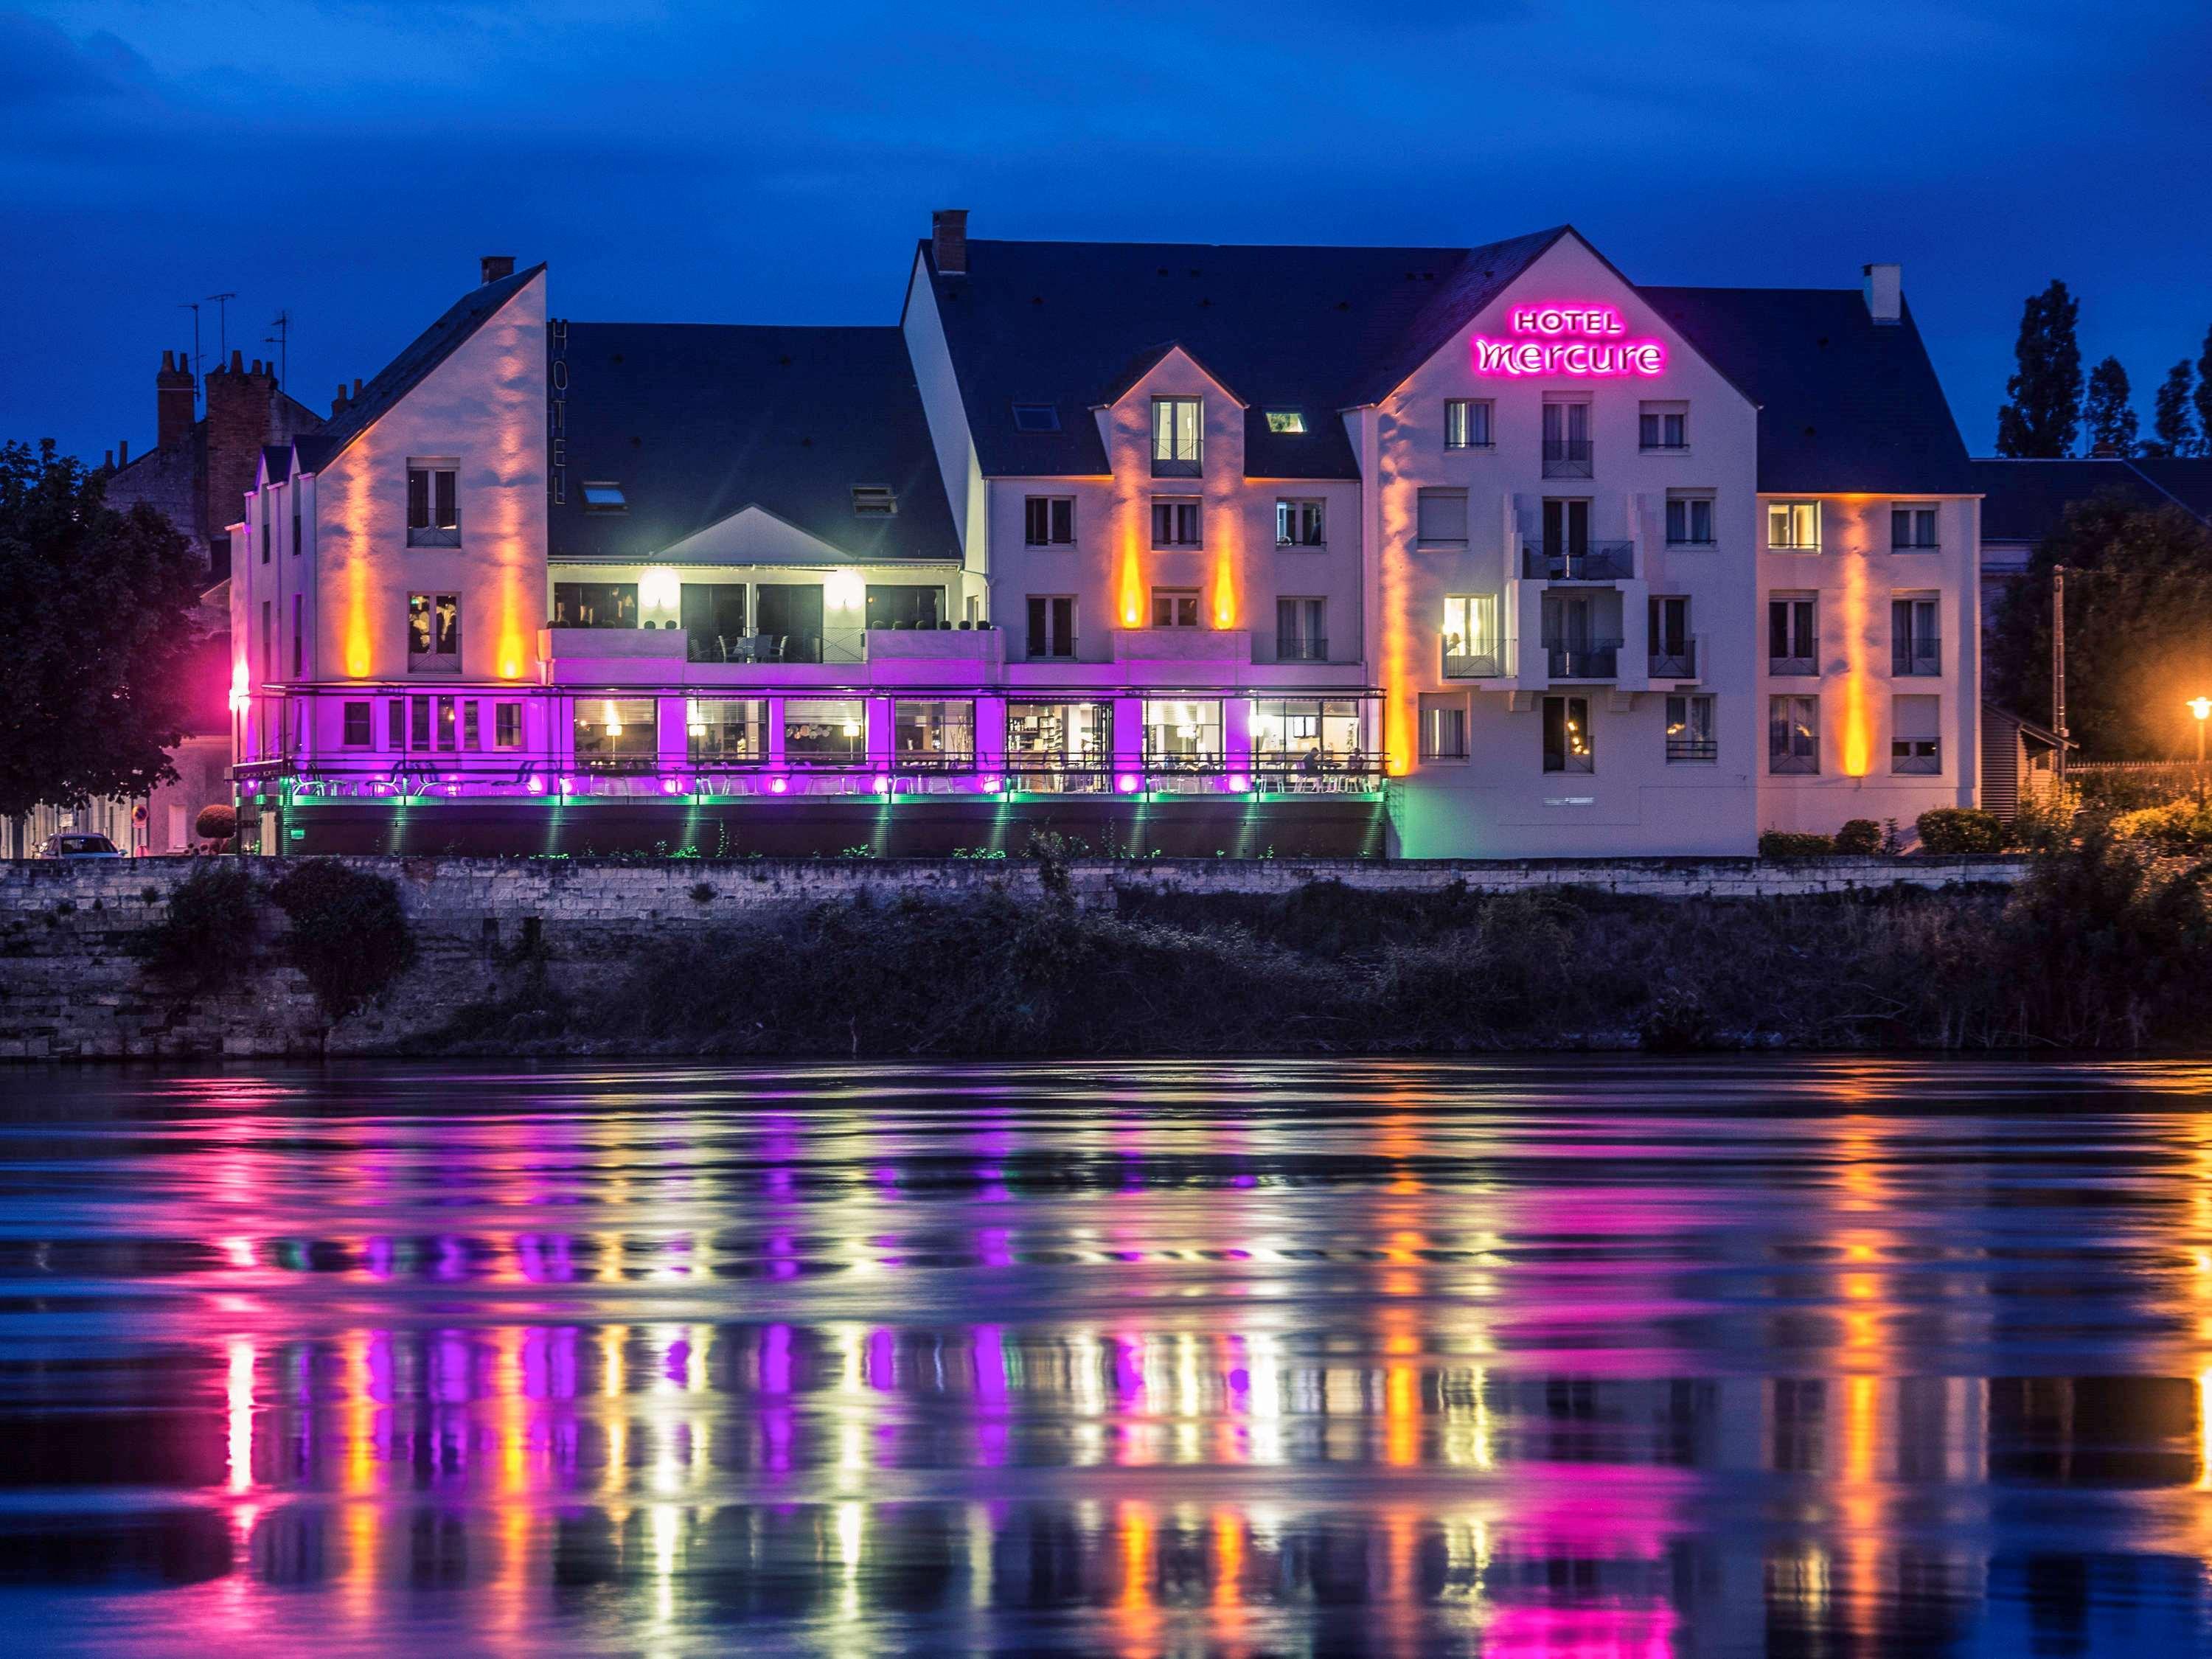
(1576, 340)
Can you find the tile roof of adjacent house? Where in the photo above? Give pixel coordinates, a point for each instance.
(2025, 501)
(1847, 405)
(696, 422)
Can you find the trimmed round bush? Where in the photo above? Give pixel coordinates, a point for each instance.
(1795, 844)
(1860, 838)
(1959, 830)
(217, 821)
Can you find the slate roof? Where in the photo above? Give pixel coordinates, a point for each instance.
(1845, 403)
(2023, 501)
(413, 364)
(1315, 329)
(696, 422)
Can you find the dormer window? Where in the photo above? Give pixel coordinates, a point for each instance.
(1288, 423)
(1178, 440)
(604, 495)
(874, 500)
(1036, 417)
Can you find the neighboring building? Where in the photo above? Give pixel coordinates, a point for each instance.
(2023, 501)
(2019, 762)
(1470, 552)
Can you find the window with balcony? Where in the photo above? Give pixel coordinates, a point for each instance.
(1444, 725)
(1690, 729)
(1915, 736)
(357, 726)
(1440, 518)
(1913, 528)
(898, 606)
(933, 732)
(1916, 642)
(826, 732)
(725, 731)
(1048, 521)
(1663, 426)
(595, 605)
(1302, 523)
(1689, 520)
(1473, 649)
(1052, 625)
(1793, 527)
(1178, 437)
(1301, 629)
(1674, 650)
(1466, 424)
(434, 503)
(433, 633)
(507, 725)
(789, 624)
(1581, 637)
(1182, 731)
(714, 618)
(1059, 738)
(1793, 736)
(1567, 452)
(1567, 745)
(1177, 521)
(1793, 636)
(1174, 607)
(617, 734)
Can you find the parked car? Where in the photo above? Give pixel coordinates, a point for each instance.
(76, 844)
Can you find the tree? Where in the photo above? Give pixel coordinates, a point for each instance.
(2045, 390)
(2203, 397)
(97, 641)
(2171, 419)
(2138, 628)
(2107, 412)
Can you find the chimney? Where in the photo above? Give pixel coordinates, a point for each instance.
(496, 265)
(1885, 293)
(123, 452)
(948, 241)
(174, 406)
(357, 390)
(339, 403)
(237, 360)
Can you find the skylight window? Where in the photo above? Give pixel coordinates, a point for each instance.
(1290, 421)
(1036, 417)
(604, 495)
(874, 500)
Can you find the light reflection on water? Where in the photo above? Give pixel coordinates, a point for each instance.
(1591, 1359)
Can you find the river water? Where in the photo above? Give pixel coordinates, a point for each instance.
(1613, 1358)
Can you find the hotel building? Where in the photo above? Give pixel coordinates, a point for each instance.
(1423, 552)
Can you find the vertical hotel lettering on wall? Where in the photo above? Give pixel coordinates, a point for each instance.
(556, 409)
(1582, 340)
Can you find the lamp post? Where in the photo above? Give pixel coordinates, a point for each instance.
(2201, 707)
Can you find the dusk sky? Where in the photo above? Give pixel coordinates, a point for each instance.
(347, 162)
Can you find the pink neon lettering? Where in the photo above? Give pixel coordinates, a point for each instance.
(1577, 340)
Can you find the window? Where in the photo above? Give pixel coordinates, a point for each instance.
(268, 641)
(434, 503)
(1178, 437)
(1674, 651)
(1176, 521)
(874, 500)
(1912, 527)
(1471, 641)
(448, 724)
(934, 733)
(604, 495)
(1663, 426)
(826, 732)
(725, 731)
(418, 722)
(507, 725)
(1793, 527)
(714, 618)
(1567, 452)
(433, 633)
(472, 731)
(295, 521)
(299, 634)
(1052, 625)
(264, 529)
(1174, 607)
(357, 726)
(789, 626)
(1567, 746)
(1690, 729)
(1304, 732)
(1301, 630)
(617, 734)
(1441, 517)
(1036, 417)
(1301, 523)
(898, 606)
(395, 724)
(1793, 639)
(1045, 736)
(1183, 731)
(1916, 643)
(1290, 422)
(1048, 520)
(1466, 424)
(1915, 735)
(1689, 520)
(594, 605)
(1793, 736)
(1444, 725)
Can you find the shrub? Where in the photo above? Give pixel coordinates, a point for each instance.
(2130, 792)
(1860, 838)
(348, 935)
(218, 821)
(206, 936)
(2180, 826)
(1959, 830)
(1677, 1023)
(1794, 844)
(2043, 823)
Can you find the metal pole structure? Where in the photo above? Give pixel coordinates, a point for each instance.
(2058, 664)
(193, 306)
(222, 326)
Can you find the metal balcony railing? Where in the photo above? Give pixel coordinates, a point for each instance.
(1582, 660)
(1462, 664)
(1578, 562)
(1567, 457)
(1692, 749)
(1680, 664)
(1792, 667)
(1916, 657)
(1300, 648)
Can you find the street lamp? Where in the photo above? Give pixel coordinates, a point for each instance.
(2201, 707)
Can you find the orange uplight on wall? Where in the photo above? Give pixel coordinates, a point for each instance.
(1858, 717)
(1401, 697)
(1133, 584)
(1224, 590)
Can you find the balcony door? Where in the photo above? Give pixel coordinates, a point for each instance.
(790, 616)
(1567, 621)
(1566, 522)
